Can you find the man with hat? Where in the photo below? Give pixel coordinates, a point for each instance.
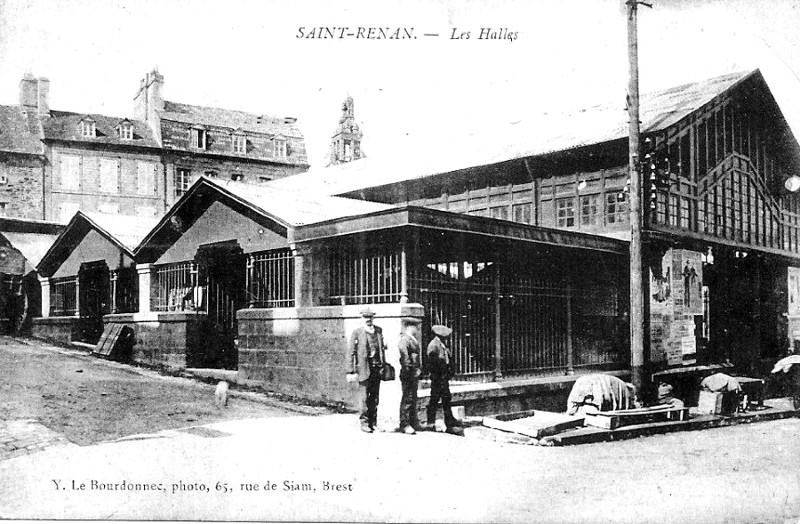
(409, 375)
(367, 356)
(439, 358)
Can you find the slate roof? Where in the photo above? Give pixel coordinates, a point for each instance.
(547, 134)
(65, 125)
(126, 229)
(249, 122)
(294, 208)
(19, 131)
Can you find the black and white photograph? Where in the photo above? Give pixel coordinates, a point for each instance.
(400, 261)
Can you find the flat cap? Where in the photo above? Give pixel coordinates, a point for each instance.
(441, 330)
(367, 312)
(411, 320)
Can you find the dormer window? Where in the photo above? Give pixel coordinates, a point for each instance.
(125, 130)
(88, 128)
(279, 145)
(198, 137)
(239, 144)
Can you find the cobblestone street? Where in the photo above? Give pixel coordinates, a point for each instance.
(21, 437)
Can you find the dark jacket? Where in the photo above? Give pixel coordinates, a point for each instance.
(409, 354)
(439, 358)
(359, 356)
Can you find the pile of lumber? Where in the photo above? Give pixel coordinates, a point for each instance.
(628, 417)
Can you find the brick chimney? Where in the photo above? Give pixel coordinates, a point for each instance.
(150, 99)
(34, 95)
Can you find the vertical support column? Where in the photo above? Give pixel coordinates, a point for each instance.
(300, 277)
(146, 282)
(250, 284)
(44, 282)
(78, 295)
(404, 272)
(498, 353)
(113, 277)
(570, 346)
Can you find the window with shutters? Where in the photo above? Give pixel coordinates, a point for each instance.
(88, 128)
(70, 172)
(109, 175)
(145, 178)
(239, 144)
(198, 138)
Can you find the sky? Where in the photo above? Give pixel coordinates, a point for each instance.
(412, 97)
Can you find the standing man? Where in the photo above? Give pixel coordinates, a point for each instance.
(367, 355)
(439, 359)
(409, 375)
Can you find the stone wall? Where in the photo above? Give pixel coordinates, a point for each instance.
(176, 340)
(303, 351)
(61, 330)
(21, 182)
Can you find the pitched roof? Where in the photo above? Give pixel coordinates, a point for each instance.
(547, 134)
(33, 246)
(65, 125)
(19, 131)
(294, 208)
(249, 122)
(126, 229)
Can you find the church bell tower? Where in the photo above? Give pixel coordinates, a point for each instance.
(346, 142)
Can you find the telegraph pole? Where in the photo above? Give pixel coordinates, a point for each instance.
(634, 171)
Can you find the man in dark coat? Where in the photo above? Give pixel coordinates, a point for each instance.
(439, 361)
(409, 375)
(367, 356)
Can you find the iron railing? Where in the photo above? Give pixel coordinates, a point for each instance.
(64, 296)
(270, 279)
(175, 287)
(123, 290)
(370, 277)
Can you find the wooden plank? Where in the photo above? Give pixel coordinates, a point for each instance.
(615, 419)
(107, 339)
(537, 424)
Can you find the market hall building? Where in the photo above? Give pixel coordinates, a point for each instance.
(722, 233)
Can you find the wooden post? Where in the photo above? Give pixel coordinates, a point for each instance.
(637, 282)
(570, 347)
(498, 353)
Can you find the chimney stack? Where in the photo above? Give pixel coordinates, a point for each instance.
(149, 100)
(34, 95)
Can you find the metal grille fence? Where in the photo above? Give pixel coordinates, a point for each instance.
(64, 296)
(124, 290)
(364, 278)
(270, 279)
(174, 285)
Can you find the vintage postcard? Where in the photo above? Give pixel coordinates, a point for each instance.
(400, 261)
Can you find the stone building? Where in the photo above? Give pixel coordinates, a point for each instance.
(346, 141)
(54, 163)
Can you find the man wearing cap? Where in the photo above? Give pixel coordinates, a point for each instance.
(439, 358)
(409, 375)
(367, 355)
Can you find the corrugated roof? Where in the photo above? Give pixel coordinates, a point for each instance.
(19, 131)
(547, 134)
(126, 229)
(251, 122)
(33, 246)
(64, 125)
(293, 207)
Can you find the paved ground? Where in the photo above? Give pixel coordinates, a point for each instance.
(323, 468)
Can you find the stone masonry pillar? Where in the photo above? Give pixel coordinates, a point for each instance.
(146, 280)
(45, 283)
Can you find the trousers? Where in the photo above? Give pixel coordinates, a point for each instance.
(440, 390)
(408, 401)
(370, 395)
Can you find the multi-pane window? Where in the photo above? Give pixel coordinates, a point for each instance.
(521, 213)
(109, 171)
(590, 210)
(239, 144)
(565, 211)
(673, 210)
(616, 208)
(279, 147)
(684, 213)
(500, 212)
(88, 128)
(183, 179)
(70, 171)
(198, 138)
(145, 178)
(125, 131)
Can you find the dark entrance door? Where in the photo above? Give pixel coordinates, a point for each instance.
(222, 273)
(93, 300)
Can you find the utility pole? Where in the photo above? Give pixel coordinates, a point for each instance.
(634, 171)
